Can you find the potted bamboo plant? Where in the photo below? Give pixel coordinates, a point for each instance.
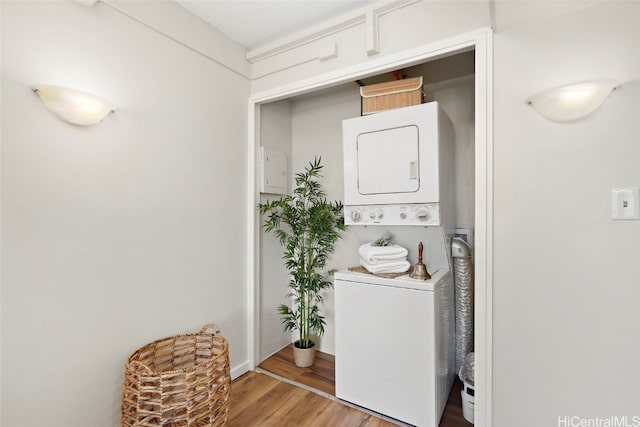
(307, 226)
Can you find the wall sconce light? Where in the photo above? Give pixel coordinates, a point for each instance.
(73, 106)
(571, 102)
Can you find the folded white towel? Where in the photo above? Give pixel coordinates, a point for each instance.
(386, 267)
(377, 254)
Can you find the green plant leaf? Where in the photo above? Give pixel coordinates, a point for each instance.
(307, 226)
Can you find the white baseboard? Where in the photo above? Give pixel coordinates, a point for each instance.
(237, 371)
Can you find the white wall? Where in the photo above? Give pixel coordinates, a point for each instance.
(171, 18)
(456, 97)
(317, 131)
(411, 25)
(118, 234)
(566, 319)
(275, 133)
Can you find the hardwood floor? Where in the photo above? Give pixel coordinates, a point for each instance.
(261, 400)
(321, 376)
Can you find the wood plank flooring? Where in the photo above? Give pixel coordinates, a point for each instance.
(321, 376)
(260, 400)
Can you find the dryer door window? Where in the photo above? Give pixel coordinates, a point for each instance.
(388, 161)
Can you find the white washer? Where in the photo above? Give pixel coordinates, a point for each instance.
(395, 344)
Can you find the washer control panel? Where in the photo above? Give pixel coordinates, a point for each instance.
(410, 214)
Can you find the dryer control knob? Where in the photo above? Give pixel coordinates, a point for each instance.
(356, 215)
(372, 215)
(380, 214)
(422, 213)
(403, 215)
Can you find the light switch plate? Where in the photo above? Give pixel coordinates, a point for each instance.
(625, 203)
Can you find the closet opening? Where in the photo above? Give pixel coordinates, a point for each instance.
(295, 127)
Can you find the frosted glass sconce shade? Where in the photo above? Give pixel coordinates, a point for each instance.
(571, 102)
(73, 106)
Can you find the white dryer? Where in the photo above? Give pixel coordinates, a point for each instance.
(395, 344)
(398, 167)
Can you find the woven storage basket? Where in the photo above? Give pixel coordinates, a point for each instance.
(182, 380)
(389, 95)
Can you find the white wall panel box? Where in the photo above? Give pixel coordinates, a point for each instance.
(274, 171)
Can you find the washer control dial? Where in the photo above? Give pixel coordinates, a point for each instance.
(422, 213)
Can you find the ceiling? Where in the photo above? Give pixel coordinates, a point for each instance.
(253, 23)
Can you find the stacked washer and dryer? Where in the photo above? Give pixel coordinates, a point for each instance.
(394, 347)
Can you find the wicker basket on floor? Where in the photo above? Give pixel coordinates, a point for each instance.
(182, 380)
